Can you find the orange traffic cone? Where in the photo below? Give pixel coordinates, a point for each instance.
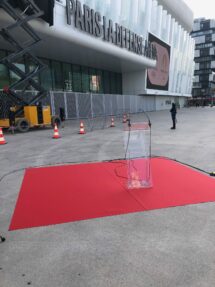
(82, 131)
(112, 123)
(124, 119)
(2, 139)
(56, 132)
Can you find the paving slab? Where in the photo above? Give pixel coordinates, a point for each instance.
(161, 248)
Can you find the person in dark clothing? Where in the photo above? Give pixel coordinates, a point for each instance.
(62, 116)
(2, 239)
(12, 118)
(173, 112)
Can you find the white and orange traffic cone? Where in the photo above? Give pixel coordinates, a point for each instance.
(2, 139)
(124, 119)
(56, 134)
(112, 123)
(82, 130)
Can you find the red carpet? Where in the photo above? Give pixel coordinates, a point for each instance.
(63, 194)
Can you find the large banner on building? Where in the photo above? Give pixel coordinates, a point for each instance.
(158, 78)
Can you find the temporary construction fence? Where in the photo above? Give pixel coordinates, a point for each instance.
(87, 105)
(97, 110)
(79, 105)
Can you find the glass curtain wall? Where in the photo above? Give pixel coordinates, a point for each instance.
(57, 74)
(143, 16)
(4, 74)
(61, 76)
(67, 77)
(129, 13)
(46, 76)
(182, 49)
(20, 63)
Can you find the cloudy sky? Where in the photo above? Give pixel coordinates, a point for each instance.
(201, 8)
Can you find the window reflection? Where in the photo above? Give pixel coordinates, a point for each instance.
(4, 76)
(95, 83)
(21, 65)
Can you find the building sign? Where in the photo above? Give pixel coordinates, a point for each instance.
(158, 78)
(92, 22)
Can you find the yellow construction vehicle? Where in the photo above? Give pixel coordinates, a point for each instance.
(18, 109)
(31, 116)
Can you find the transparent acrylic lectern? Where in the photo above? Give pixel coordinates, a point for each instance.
(137, 143)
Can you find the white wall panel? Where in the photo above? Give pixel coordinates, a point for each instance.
(143, 16)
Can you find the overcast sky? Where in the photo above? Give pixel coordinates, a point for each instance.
(202, 8)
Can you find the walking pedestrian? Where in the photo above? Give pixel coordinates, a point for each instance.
(12, 119)
(62, 116)
(173, 112)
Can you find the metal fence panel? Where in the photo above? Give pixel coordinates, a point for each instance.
(140, 104)
(97, 105)
(108, 105)
(133, 104)
(47, 100)
(71, 106)
(79, 105)
(136, 104)
(127, 103)
(84, 105)
(114, 104)
(58, 102)
(150, 103)
(120, 108)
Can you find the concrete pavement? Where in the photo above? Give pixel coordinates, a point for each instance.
(168, 247)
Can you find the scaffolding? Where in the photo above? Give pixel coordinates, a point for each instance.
(17, 91)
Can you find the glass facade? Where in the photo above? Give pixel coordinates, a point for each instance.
(61, 76)
(166, 28)
(4, 74)
(132, 14)
(148, 16)
(140, 16)
(204, 81)
(21, 65)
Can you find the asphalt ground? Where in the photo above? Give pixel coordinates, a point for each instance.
(169, 247)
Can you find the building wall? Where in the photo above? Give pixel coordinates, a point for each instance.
(62, 76)
(103, 53)
(180, 12)
(165, 102)
(66, 44)
(133, 83)
(144, 16)
(204, 76)
(165, 27)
